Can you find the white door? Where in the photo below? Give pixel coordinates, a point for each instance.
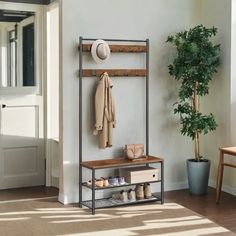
(21, 142)
(22, 152)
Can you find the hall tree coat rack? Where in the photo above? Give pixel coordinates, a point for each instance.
(131, 46)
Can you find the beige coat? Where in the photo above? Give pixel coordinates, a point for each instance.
(104, 112)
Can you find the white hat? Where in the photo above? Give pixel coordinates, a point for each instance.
(100, 51)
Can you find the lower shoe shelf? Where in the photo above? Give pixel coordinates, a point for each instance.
(109, 202)
(117, 186)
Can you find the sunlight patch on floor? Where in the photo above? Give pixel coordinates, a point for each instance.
(137, 212)
(37, 212)
(14, 219)
(156, 224)
(176, 219)
(77, 216)
(194, 232)
(88, 218)
(78, 220)
(166, 206)
(59, 209)
(26, 200)
(131, 232)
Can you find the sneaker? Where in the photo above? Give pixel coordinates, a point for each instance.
(105, 182)
(99, 183)
(113, 181)
(121, 180)
(147, 191)
(116, 196)
(131, 195)
(139, 191)
(123, 196)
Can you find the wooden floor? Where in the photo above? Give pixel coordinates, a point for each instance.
(27, 193)
(223, 214)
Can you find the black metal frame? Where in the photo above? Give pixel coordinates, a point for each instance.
(81, 39)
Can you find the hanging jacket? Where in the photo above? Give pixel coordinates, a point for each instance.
(104, 111)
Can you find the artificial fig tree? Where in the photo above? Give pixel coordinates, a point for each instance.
(195, 64)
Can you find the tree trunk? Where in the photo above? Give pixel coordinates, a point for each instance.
(197, 146)
(196, 107)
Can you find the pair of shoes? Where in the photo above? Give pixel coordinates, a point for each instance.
(125, 196)
(118, 180)
(122, 196)
(102, 182)
(143, 191)
(105, 182)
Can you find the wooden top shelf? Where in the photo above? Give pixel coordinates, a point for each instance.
(119, 48)
(119, 162)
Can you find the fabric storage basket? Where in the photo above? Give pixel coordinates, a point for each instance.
(140, 174)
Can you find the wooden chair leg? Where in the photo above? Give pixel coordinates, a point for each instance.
(219, 177)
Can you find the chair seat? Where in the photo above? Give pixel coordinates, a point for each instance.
(229, 150)
(224, 150)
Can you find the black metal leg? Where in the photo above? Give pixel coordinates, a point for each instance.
(147, 97)
(80, 120)
(162, 182)
(80, 187)
(93, 191)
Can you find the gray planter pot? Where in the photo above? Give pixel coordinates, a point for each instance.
(198, 176)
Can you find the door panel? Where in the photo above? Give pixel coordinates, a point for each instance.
(22, 156)
(21, 168)
(15, 159)
(17, 127)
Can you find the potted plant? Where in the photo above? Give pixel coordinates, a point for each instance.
(195, 64)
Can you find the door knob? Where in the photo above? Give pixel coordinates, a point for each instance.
(4, 105)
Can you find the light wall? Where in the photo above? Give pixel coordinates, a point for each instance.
(221, 99)
(232, 180)
(233, 74)
(132, 20)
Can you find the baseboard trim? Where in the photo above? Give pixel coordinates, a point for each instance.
(225, 188)
(176, 186)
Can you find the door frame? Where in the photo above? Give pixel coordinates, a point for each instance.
(51, 139)
(40, 67)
